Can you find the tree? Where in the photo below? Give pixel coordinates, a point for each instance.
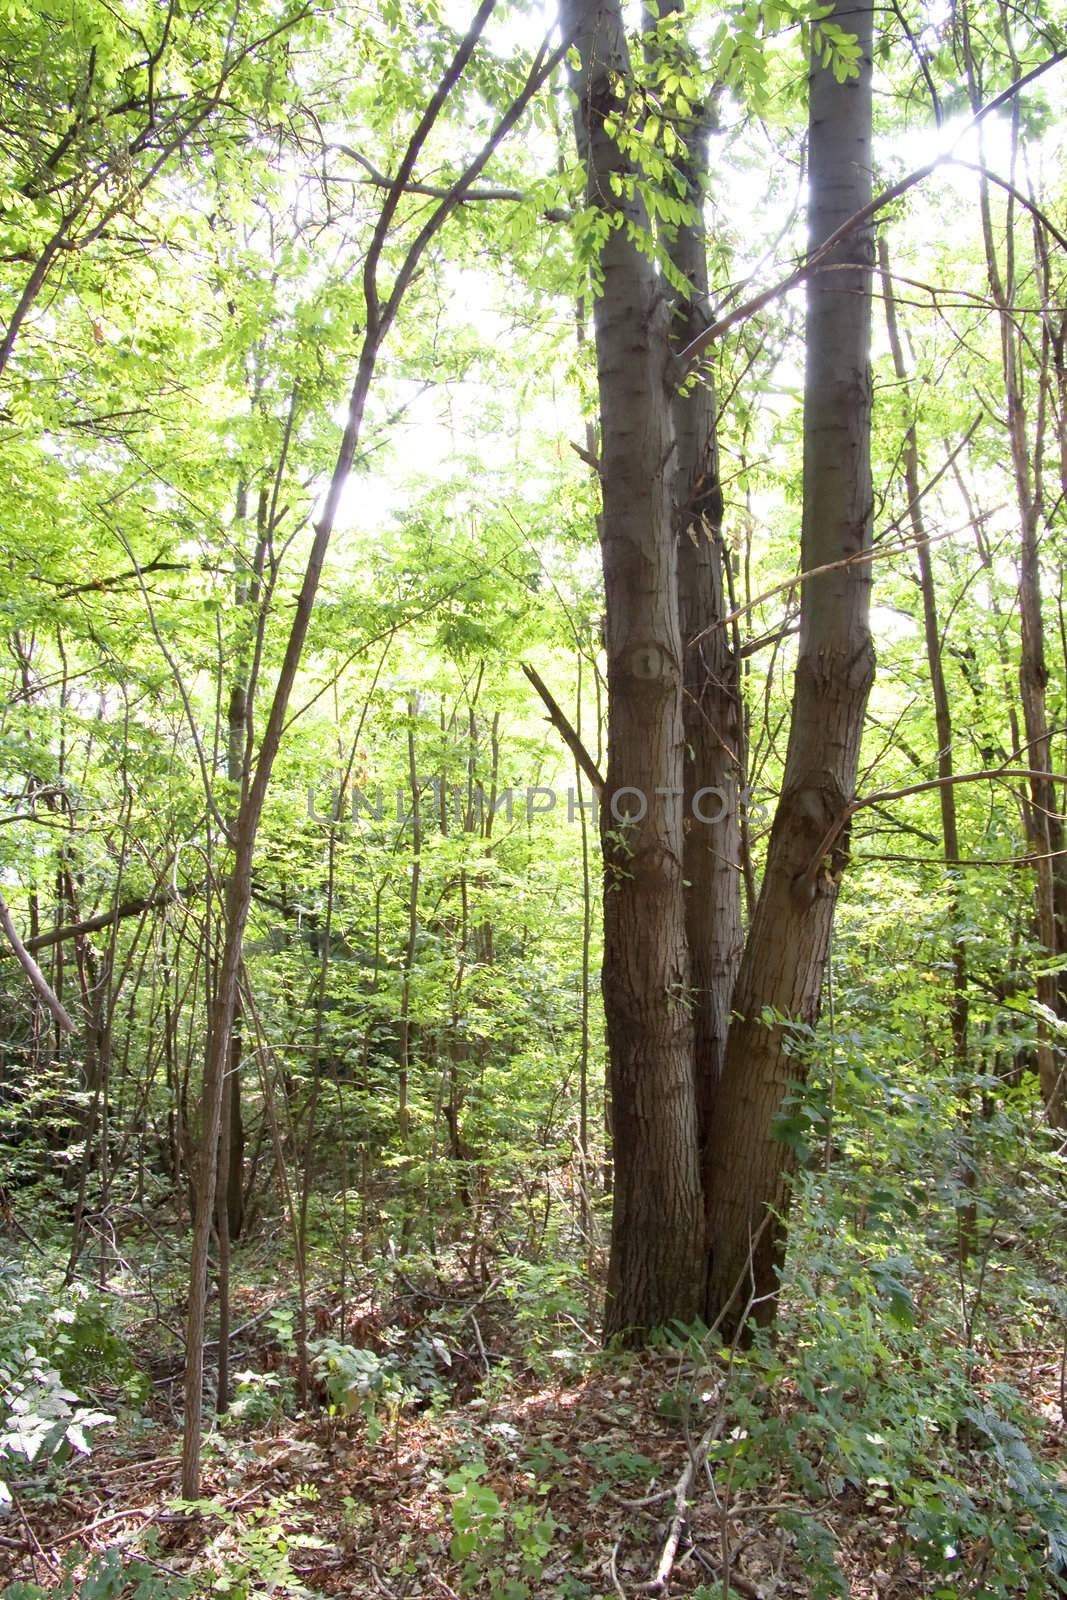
(782, 970)
(382, 303)
(115, 101)
(413, 1035)
(714, 768)
(1028, 413)
(648, 957)
(657, 1216)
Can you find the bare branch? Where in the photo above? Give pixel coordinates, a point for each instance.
(989, 774)
(29, 966)
(817, 257)
(570, 738)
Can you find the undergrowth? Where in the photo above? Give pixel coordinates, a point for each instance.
(901, 1420)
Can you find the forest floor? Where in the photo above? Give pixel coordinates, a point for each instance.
(500, 1477)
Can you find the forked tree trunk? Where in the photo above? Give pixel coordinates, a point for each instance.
(657, 1220)
(785, 954)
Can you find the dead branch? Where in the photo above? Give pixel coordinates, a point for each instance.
(559, 721)
(29, 966)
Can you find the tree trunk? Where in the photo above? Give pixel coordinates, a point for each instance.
(959, 1008)
(236, 759)
(711, 704)
(238, 898)
(785, 955)
(1026, 443)
(657, 1207)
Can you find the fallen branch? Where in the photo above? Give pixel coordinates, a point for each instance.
(659, 1580)
(613, 1569)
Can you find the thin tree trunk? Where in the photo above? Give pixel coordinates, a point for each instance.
(238, 898)
(406, 1029)
(403, 1100)
(379, 317)
(959, 1007)
(230, 1179)
(782, 969)
(584, 1035)
(234, 1160)
(1026, 429)
(222, 1278)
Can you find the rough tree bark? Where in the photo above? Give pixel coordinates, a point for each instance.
(785, 955)
(657, 1220)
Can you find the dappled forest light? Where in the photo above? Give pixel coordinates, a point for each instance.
(533, 880)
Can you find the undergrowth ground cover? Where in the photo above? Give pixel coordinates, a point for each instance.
(463, 1434)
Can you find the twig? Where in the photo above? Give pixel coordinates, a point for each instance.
(9, 1220)
(37, 1550)
(96, 585)
(657, 1584)
(659, 1580)
(734, 1580)
(381, 1584)
(481, 1346)
(614, 1571)
(639, 1505)
(493, 1284)
(102, 1522)
(837, 827)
